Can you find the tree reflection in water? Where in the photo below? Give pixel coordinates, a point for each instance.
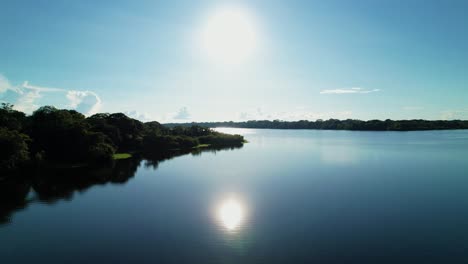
(52, 185)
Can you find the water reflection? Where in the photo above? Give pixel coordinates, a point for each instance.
(231, 214)
(232, 217)
(232, 131)
(49, 186)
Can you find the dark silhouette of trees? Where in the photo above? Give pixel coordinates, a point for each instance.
(14, 149)
(153, 142)
(63, 135)
(335, 124)
(221, 140)
(66, 137)
(11, 119)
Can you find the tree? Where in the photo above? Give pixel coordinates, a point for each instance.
(60, 135)
(10, 118)
(14, 149)
(125, 132)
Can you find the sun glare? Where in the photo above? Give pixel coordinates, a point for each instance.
(231, 214)
(229, 36)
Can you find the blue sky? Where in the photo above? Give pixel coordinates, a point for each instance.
(312, 59)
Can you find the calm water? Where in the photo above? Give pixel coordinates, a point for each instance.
(286, 197)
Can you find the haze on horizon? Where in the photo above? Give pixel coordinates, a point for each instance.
(182, 61)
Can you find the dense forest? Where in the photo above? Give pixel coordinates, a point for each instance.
(335, 124)
(59, 136)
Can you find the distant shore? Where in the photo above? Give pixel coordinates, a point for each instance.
(335, 124)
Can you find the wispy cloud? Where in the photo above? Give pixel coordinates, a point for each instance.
(145, 117)
(454, 114)
(294, 115)
(353, 90)
(41, 89)
(4, 84)
(257, 114)
(28, 98)
(413, 108)
(182, 114)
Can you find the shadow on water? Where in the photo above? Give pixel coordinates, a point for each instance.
(49, 186)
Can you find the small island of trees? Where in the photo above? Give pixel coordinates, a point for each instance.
(54, 136)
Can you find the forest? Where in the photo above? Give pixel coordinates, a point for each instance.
(51, 136)
(335, 124)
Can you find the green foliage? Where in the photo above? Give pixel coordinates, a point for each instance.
(155, 127)
(120, 156)
(66, 136)
(221, 140)
(10, 118)
(100, 152)
(61, 134)
(157, 143)
(199, 146)
(125, 132)
(14, 149)
(191, 131)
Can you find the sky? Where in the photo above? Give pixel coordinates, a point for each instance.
(186, 60)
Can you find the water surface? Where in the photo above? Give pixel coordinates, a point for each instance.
(288, 196)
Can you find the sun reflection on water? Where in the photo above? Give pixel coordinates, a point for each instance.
(231, 214)
(233, 131)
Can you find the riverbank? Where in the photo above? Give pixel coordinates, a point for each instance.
(335, 124)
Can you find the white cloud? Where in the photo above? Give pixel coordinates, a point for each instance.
(256, 114)
(26, 101)
(295, 115)
(354, 90)
(4, 84)
(182, 114)
(412, 108)
(86, 102)
(454, 114)
(144, 117)
(41, 89)
(28, 98)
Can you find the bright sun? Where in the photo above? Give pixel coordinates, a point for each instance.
(229, 36)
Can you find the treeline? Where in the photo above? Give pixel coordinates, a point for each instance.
(63, 136)
(335, 124)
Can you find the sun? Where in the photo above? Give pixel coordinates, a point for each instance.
(229, 35)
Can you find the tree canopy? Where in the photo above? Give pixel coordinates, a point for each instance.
(58, 135)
